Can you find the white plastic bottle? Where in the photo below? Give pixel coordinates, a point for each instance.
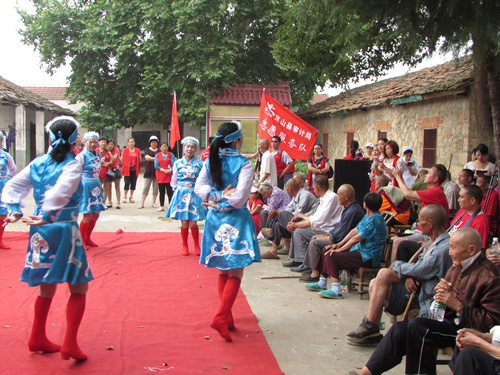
(437, 311)
(495, 247)
(344, 287)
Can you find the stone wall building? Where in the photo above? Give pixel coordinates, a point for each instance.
(442, 112)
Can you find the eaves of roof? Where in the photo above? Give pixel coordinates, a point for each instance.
(251, 95)
(14, 95)
(451, 78)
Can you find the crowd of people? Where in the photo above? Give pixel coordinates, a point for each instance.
(443, 259)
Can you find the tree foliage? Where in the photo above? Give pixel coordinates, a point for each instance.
(348, 40)
(357, 39)
(128, 56)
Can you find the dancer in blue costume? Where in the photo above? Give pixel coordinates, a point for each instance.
(55, 250)
(186, 205)
(7, 171)
(229, 239)
(92, 200)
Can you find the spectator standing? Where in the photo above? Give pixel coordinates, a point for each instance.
(149, 171)
(268, 171)
(408, 166)
(131, 167)
(285, 165)
(164, 163)
(114, 154)
(317, 164)
(481, 166)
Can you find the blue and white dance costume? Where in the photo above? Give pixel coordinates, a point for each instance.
(55, 251)
(186, 205)
(92, 199)
(229, 237)
(7, 171)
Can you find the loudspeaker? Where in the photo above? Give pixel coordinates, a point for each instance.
(355, 173)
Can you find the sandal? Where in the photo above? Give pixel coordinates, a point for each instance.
(117, 206)
(124, 200)
(131, 200)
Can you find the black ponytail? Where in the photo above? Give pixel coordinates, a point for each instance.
(67, 128)
(215, 161)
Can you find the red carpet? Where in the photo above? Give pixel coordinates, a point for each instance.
(149, 303)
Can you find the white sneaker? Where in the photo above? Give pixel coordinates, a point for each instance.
(155, 205)
(140, 206)
(160, 209)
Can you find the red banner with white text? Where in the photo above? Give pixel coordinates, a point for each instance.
(297, 136)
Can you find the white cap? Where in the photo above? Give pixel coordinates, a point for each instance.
(369, 145)
(153, 138)
(407, 148)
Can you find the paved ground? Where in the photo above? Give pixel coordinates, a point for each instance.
(305, 332)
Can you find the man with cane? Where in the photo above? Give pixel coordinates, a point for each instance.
(393, 286)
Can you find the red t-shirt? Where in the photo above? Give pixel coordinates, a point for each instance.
(479, 223)
(434, 195)
(492, 209)
(205, 154)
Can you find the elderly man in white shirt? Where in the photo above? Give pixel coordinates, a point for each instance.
(268, 164)
(304, 228)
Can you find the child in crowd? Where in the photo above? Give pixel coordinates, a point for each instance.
(255, 205)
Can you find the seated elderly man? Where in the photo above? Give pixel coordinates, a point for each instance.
(470, 293)
(391, 286)
(434, 194)
(362, 247)
(302, 202)
(277, 199)
(476, 352)
(351, 216)
(301, 178)
(304, 227)
(469, 215)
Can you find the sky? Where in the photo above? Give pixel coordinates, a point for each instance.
(21, 65)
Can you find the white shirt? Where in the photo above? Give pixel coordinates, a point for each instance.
(239, 198)
(408, 178)
(268, 165)
(328, 213)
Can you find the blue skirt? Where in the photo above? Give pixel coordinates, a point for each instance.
(229, 240)
(4, 209)
(92, 199)
(56, 255)
(186, 205)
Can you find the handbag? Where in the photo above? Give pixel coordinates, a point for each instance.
(110, 174)
(118, 173)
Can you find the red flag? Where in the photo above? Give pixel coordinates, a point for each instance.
(297, 136)
(175, 134)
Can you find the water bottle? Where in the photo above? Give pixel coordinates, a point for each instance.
(495, 248)
(343, 282)
(437, 311)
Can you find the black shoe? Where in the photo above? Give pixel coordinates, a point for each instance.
(309, 279)
(365, 330)
(291, 263)
(307, 272)
(300, 268)
(367, 341)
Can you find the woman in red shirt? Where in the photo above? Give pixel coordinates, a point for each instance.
(114, 154)
(131, 167)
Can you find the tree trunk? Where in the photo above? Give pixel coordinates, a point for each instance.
(494, 90)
